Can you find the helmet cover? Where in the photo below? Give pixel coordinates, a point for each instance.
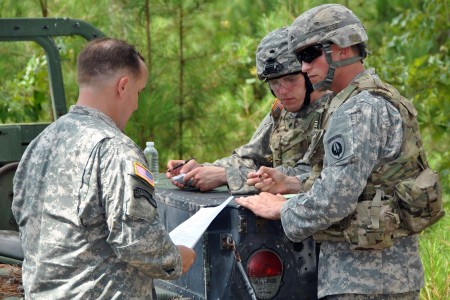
(333, 23)
(273, 59)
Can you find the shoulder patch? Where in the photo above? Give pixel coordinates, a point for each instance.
(142, 172)
(339, 140)
(336, 146)
(277, 107)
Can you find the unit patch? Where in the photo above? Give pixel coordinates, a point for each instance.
(336, 146)
(141, 172)
(338, 140)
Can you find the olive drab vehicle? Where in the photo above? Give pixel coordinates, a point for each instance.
(14, 138)
(240, 256)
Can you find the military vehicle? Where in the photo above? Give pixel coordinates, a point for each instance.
(240, 256)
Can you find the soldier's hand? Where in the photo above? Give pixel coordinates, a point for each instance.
(267, 180)
(187, 257)
(256, 177)
(264, 205)
(207, 178)
(273, 181)
(171, 171)
(177, 167)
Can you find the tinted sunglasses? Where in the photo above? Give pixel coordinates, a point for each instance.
(309, 54)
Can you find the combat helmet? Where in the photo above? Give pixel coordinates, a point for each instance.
(325, 25)
(274, 60)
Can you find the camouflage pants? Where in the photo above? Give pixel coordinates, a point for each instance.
(414, 295)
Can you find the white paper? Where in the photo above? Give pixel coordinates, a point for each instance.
(190, 231)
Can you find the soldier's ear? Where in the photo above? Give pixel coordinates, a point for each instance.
(122, 85)
(345, 52)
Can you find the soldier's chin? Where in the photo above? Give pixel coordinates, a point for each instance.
(292, 107)
(319, 86)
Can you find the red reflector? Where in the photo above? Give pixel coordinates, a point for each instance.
(264, 264)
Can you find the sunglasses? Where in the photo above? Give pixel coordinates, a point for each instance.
(309, 54)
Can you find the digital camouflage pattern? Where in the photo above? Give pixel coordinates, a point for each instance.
(401, 196)
(414, 295)
(273, 59)
(326, 23)
(364, 132)
(278, 142)
(88, 223)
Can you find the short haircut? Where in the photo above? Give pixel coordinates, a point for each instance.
(103, 57)
(360, 49)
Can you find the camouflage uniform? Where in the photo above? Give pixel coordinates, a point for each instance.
(88, 220)
(278, 142)
(370, 130)
(414, 295)
(363, 133)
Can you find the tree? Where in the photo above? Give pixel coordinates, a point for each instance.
(414, 57)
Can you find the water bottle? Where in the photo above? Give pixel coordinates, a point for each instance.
(151, 154)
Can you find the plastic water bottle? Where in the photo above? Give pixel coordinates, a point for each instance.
(151, 154)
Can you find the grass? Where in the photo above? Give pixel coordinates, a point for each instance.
(434, 247)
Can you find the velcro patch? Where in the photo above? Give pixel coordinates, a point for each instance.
(142, 172)
(139, 193)
(277, 107)
(336, 146)
(339, 141)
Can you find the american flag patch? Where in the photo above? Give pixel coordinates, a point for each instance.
(277, 107)
(143, 173)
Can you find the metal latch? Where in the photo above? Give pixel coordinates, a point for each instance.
(229, 244)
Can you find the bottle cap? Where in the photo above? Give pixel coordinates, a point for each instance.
(149, 144)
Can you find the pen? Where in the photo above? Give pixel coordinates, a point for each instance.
(259, 176)
(180, 165)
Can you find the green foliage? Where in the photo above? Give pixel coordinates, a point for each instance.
(434, 246)
(198, 41)
(24, 93)
(414, 57)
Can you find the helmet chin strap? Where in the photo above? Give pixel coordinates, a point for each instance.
(332, 65)
(308, 90)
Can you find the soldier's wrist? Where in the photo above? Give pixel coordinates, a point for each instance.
(294, 185)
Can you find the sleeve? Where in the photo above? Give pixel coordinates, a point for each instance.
(135, 232)
(299, 170)
(363, 132)
(247, 158)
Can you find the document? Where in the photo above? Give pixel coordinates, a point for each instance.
(289, 196)
(190, 231)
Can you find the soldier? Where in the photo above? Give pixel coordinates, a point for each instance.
(372, 149)
(83, 197)
(282, 137)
